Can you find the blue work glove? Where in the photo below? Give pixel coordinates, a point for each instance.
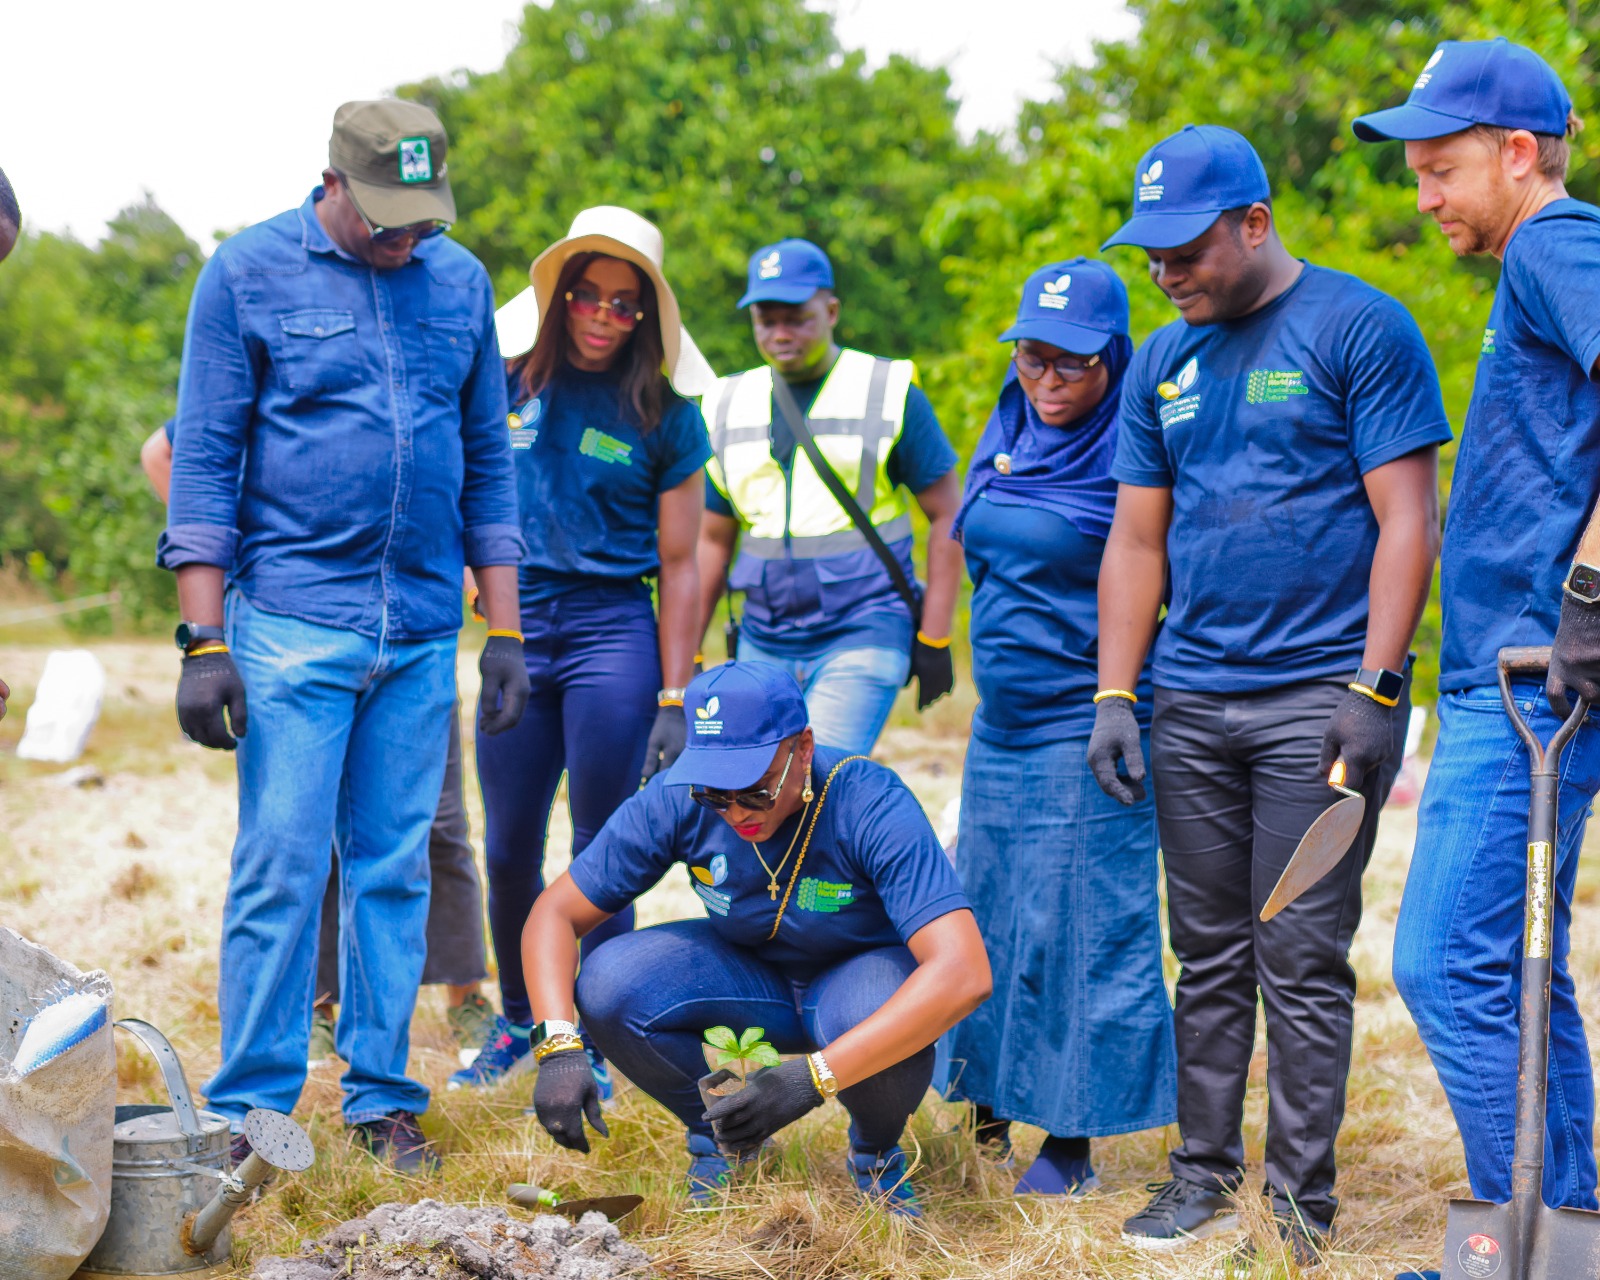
(666, 741)
(564, 1094)
(208, 685)
(1114, 739)
(771, 1099)
(1575, 656)
(505, 684)
(1361, 733)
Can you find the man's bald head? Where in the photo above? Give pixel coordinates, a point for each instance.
(10, 216)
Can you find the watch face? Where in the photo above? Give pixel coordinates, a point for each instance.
(1585, 581)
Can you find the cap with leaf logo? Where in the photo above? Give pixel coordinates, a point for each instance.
(392, 155)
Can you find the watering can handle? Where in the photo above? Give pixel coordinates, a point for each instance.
(171, 1074)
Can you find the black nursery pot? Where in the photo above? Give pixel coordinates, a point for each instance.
(719, 1084)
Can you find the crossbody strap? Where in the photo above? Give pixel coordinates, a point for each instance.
(783, 398)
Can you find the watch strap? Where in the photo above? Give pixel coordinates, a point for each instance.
(190, 634)
(1380, 684)
(549, 1029)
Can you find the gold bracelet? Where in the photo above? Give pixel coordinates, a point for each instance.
(509, 635)
(556, 1044)
(932, 643)
(1115, 693)
(210, 646)
(1356, 687)
(816, 1080)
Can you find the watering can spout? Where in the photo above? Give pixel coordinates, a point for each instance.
(276, 1142)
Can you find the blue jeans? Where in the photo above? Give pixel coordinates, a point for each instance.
(849, 692)
(347, 740)
(648, 998)
(1458, 942)
(1077, 1037)
(593, 660)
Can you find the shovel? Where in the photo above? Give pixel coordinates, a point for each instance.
(1527, 1240)
(1323, 846)
(531, 1197)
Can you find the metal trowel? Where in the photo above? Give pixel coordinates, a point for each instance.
(1323, 846)
(531, 1197)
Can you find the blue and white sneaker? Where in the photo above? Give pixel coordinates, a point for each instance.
(505, 1055)
(709, 1169)
(882, 1179)
(602, 1073)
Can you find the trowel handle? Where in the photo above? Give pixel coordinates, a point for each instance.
(1534, 660)
(1336, 776)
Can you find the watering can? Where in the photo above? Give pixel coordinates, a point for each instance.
(169, 1215)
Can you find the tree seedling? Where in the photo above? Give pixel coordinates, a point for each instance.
(742, 1053)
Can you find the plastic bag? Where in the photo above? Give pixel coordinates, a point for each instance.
(58, 1098)
(65, 707)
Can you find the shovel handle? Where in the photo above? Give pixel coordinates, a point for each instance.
(1535, 661)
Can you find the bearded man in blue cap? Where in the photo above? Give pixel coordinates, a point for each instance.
(830, 593)
(1277, 456)
(834, 922)
(1486, 131)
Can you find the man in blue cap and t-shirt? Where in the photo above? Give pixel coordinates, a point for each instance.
(1486, 129)
(819, 598)
(1278, 454)
(833, 920)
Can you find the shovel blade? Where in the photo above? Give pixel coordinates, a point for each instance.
(613, 1207)
(1480, 1242)
(1566, 1242)
(1320, 850)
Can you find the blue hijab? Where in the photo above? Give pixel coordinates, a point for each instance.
(1062, 469)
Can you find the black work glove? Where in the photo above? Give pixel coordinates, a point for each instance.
(505, 684)
(209, 683)
(666, 740)
(564, 1094)
(934, 671)
(1116, 738)
(1575, 656)
(1361, 733)
(772, 1098)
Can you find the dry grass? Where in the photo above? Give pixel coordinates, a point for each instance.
(130, 876)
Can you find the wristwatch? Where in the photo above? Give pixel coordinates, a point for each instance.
(1380, 684)
(1583, 584)
(190, 634)
(827, 1083)
(549, 1029)
(670, 697)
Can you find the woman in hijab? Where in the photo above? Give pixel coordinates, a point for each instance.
(1077, 1038)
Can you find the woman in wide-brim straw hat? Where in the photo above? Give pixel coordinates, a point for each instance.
(608, 457)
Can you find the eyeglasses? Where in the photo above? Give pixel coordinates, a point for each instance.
(425, 230)
(757, 800)
(586, 302)
(1068, 368)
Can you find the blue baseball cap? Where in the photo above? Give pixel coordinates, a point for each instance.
(1187, 181)
(1468, 82)
(1078, 305)
(737, 715)
(789, 271)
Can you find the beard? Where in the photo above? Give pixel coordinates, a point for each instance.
(1471, 238)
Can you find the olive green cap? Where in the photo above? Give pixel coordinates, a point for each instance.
(393, 154)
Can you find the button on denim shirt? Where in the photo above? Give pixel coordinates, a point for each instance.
(341, 446)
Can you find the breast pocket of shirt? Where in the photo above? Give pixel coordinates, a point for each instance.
(450, 348)
(319, 352)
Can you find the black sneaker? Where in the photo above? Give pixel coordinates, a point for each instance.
(1181, 1212)
(398, 1140)
(1302, 1243)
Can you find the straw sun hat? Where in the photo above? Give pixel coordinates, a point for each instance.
(618, 233)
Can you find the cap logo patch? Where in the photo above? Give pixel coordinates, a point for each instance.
(706, 724)
(770, 267)
(1150, 187)
(1185, 379)
(709, 710)
(1054, 297)
(1427, 70)
(416, 160)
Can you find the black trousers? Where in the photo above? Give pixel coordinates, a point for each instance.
(1236, 786)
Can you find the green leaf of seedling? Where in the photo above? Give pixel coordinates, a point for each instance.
(722, 1038)
(764, 1055)
(751, 1037)
(726, 1059)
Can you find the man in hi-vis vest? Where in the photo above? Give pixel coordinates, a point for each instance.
(819, 599)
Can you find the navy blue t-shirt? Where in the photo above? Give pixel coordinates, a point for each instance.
(1528, 468)
(795, 607)
(1035, 623)
(874, 873)
(1263, 428)
(588, 480)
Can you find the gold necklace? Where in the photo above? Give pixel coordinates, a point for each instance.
(773, 873)
(801, 861)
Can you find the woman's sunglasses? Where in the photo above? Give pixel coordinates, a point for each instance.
(1068, 368)
(584, 301)
(757, 800)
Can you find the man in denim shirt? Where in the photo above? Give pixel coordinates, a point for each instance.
(341, 449)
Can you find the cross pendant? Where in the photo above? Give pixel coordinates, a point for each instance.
(772, 890)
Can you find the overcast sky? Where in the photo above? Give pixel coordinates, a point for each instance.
(221, 108)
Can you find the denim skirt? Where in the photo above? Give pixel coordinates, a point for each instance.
(1077, 1037)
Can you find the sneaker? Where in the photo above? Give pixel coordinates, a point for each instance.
(882, 1179)
(398, 1140)
(1052, 1174)
(507, 1054)
(472, 1023)
(709, 1169)
(321, 1051)
(1181, 1212)
(602, 1074)
(1303, 1243)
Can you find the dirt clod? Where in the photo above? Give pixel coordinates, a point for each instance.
(440, 1241)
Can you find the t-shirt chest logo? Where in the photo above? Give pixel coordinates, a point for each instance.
(597, 444)
(521, 422)
(1181, 401)
(824, 896)
(1274, 386)
(1488, 343)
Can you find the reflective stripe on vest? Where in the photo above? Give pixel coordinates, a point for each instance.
(856, 419)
